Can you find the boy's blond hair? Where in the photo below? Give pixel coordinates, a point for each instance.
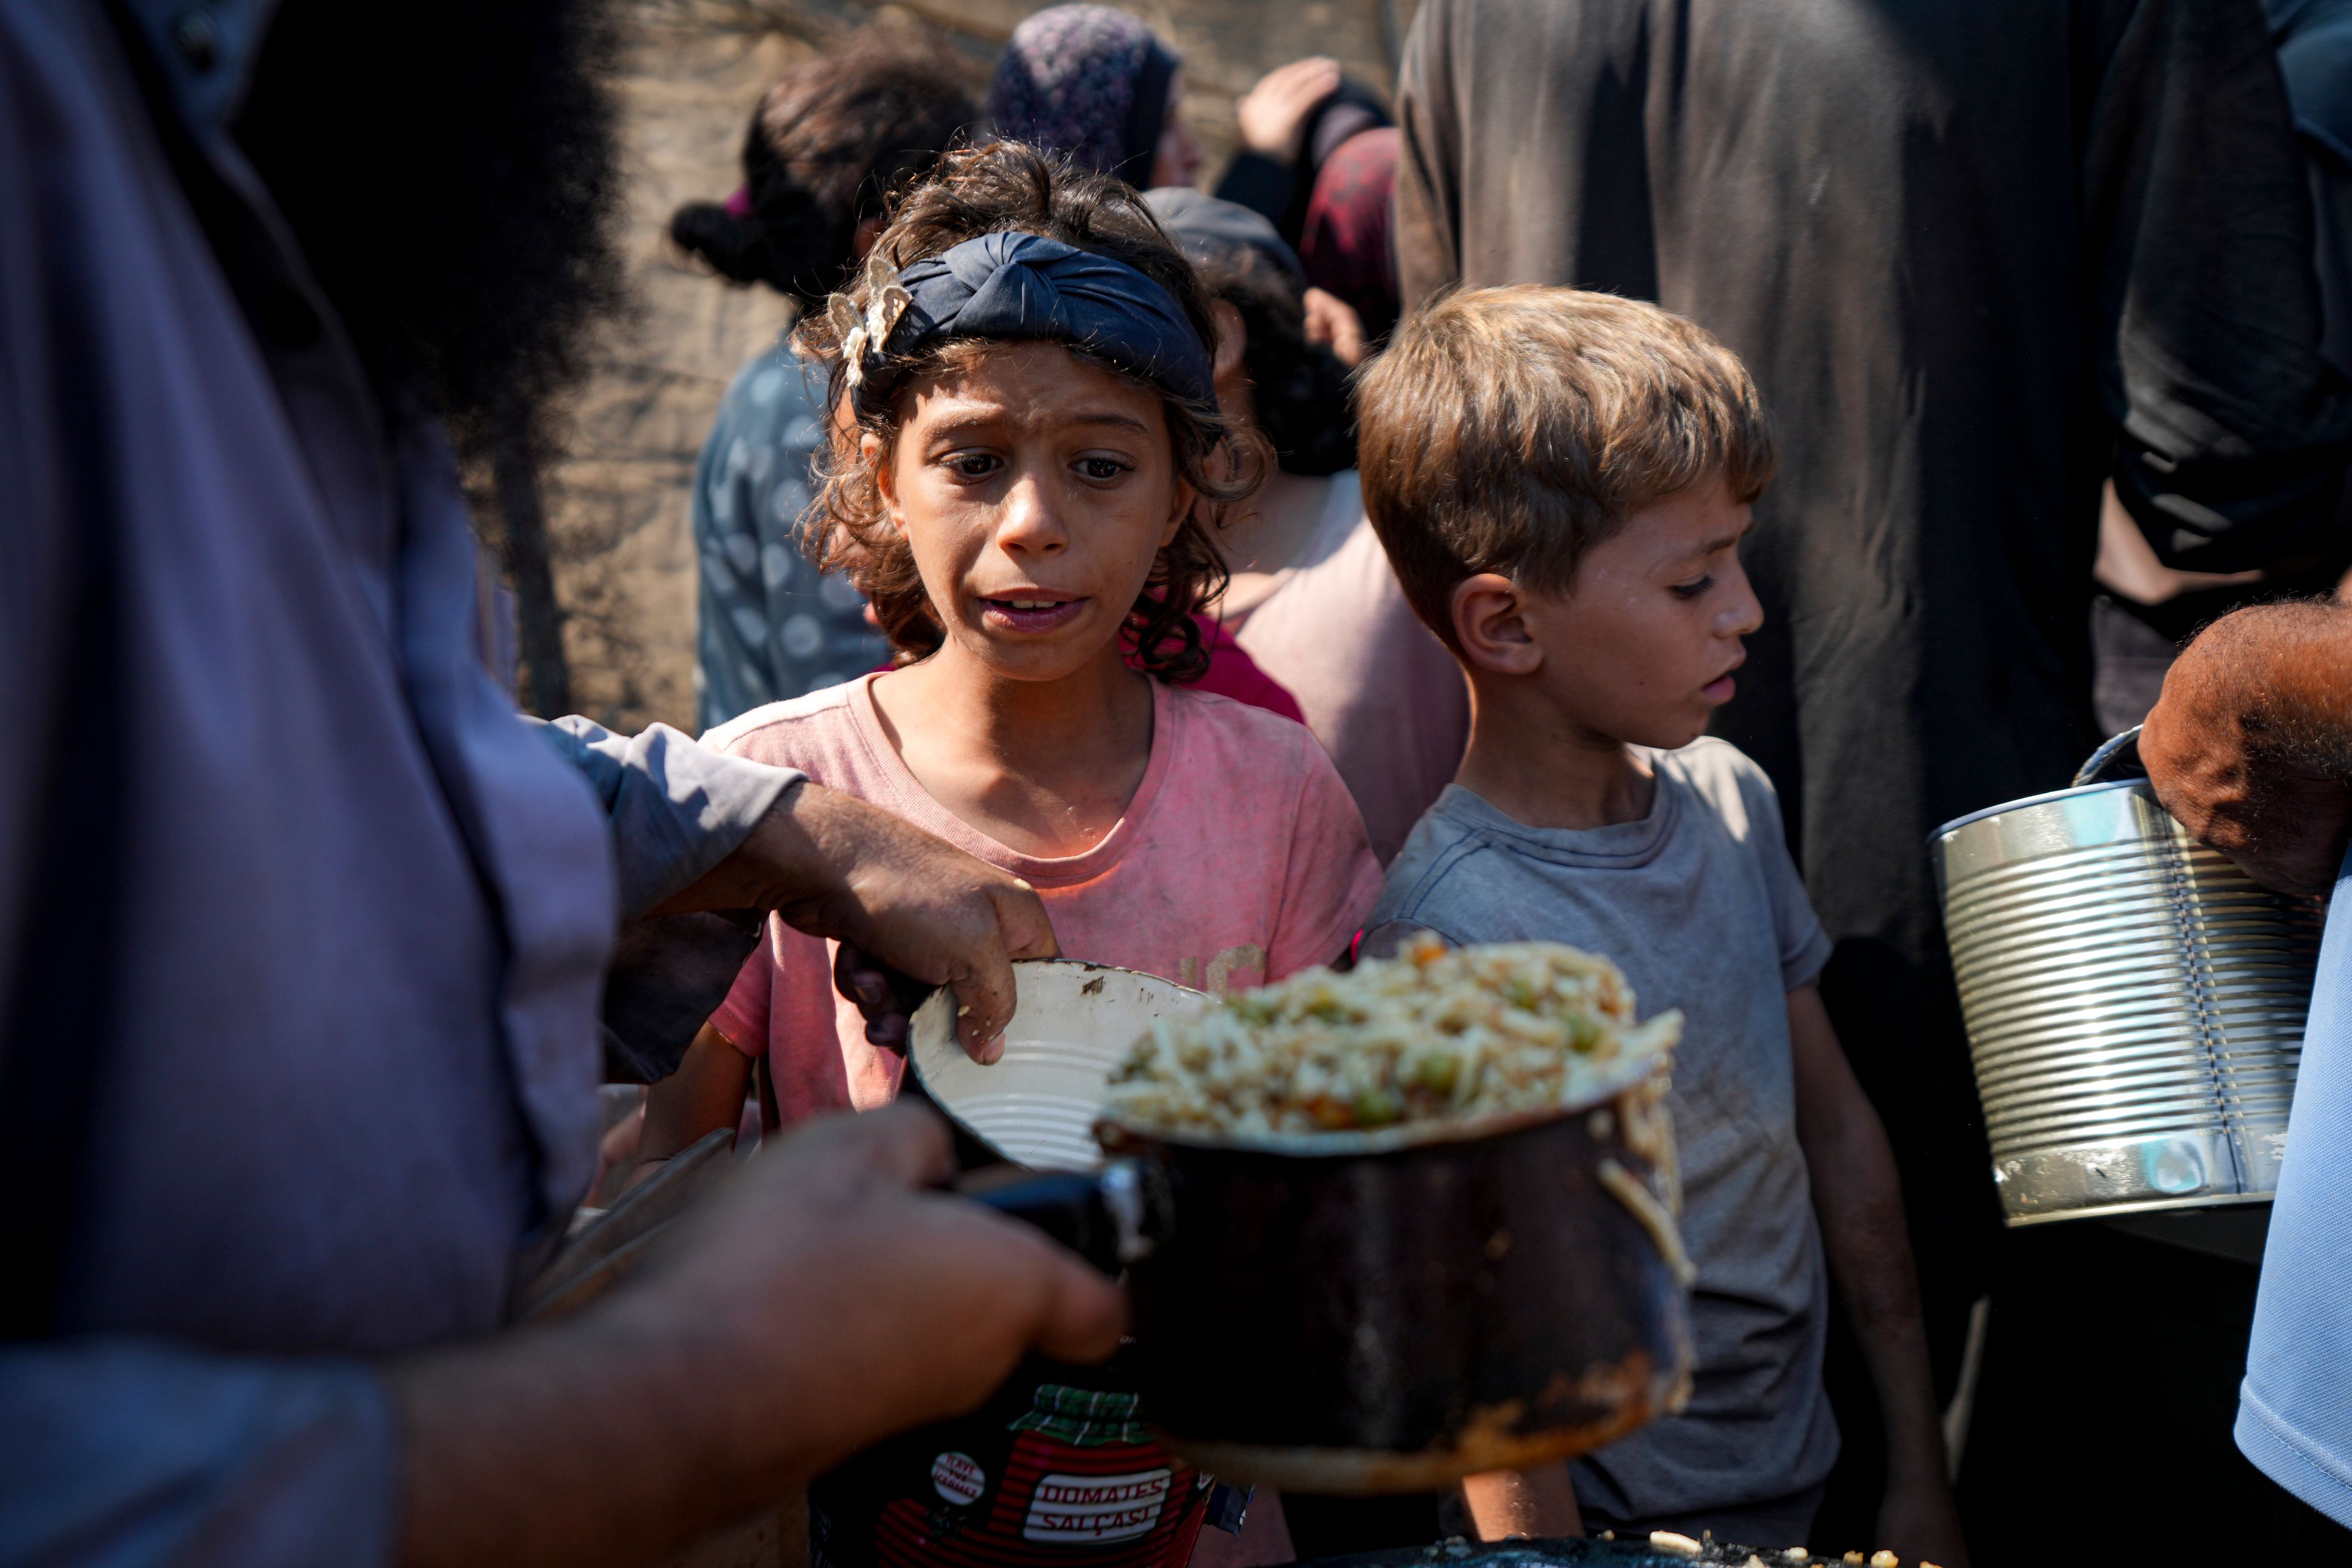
(1511, 430)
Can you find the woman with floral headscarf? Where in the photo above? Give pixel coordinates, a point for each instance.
(1097, 87)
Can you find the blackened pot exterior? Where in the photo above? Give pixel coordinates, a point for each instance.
(1393, 1320)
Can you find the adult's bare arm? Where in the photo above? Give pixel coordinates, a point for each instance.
(1858, 1198)
(2251, 745)
(832, 865)
(822, 1303)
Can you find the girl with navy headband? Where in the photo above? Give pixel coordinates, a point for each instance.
(1027, 474)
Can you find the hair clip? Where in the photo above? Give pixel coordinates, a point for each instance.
(861, 337)
(889, 303)
(841, 313)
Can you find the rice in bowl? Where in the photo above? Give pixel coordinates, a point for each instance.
(1432, 1035)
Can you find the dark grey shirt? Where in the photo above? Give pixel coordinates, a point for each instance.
(301, 929)
(1700, 905)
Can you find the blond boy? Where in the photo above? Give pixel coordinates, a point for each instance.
(1562, 481)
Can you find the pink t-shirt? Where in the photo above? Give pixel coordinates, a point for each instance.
(1234, 673)
(1240, 859)
(1375, 685)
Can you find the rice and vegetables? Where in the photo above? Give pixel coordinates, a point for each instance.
(1433, 1034)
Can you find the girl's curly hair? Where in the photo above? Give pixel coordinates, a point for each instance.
(1011, 187)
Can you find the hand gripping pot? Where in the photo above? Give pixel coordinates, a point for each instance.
(2134, 1003)
(1345, 1312)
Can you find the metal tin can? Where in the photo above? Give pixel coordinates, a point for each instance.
(2135, 1003)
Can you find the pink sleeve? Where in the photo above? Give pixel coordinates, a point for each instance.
(742, 1019)
(1332, 881)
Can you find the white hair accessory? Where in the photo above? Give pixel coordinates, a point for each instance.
(886, 303)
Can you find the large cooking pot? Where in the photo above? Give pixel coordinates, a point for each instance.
(1362, 1313)
(2134, 1003)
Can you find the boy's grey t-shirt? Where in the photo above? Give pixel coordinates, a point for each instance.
(1699, 904)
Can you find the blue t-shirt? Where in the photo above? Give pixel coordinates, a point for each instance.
(2295, 1409)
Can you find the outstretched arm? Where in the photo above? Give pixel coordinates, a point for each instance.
(1859, 1200)
(832, 865)
(705, 1094)
(696, 829)
(824, 1302)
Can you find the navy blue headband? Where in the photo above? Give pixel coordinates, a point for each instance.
(1027, 286)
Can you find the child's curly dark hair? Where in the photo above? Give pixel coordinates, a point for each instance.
(1011, 187)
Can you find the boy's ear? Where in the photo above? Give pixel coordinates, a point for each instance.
(1490, 624)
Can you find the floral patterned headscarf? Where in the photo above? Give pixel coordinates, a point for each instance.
(1088, 82)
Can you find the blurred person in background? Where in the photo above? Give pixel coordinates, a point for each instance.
(1348, 242)
(1291, 122)
(1317, 160)
(1097, 87)
(2147, 610)
(829, 143)
(302, 928)
(1979, 257)
(1312, 599)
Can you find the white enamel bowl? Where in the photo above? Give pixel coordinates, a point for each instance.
(1036, 1105)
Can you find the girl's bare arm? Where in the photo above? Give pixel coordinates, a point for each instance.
(703, 1095)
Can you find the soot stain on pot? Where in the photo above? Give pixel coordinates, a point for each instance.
(1493, 1437)
(1347, 1317)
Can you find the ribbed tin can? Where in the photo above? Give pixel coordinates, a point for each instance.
(2135, 1003)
